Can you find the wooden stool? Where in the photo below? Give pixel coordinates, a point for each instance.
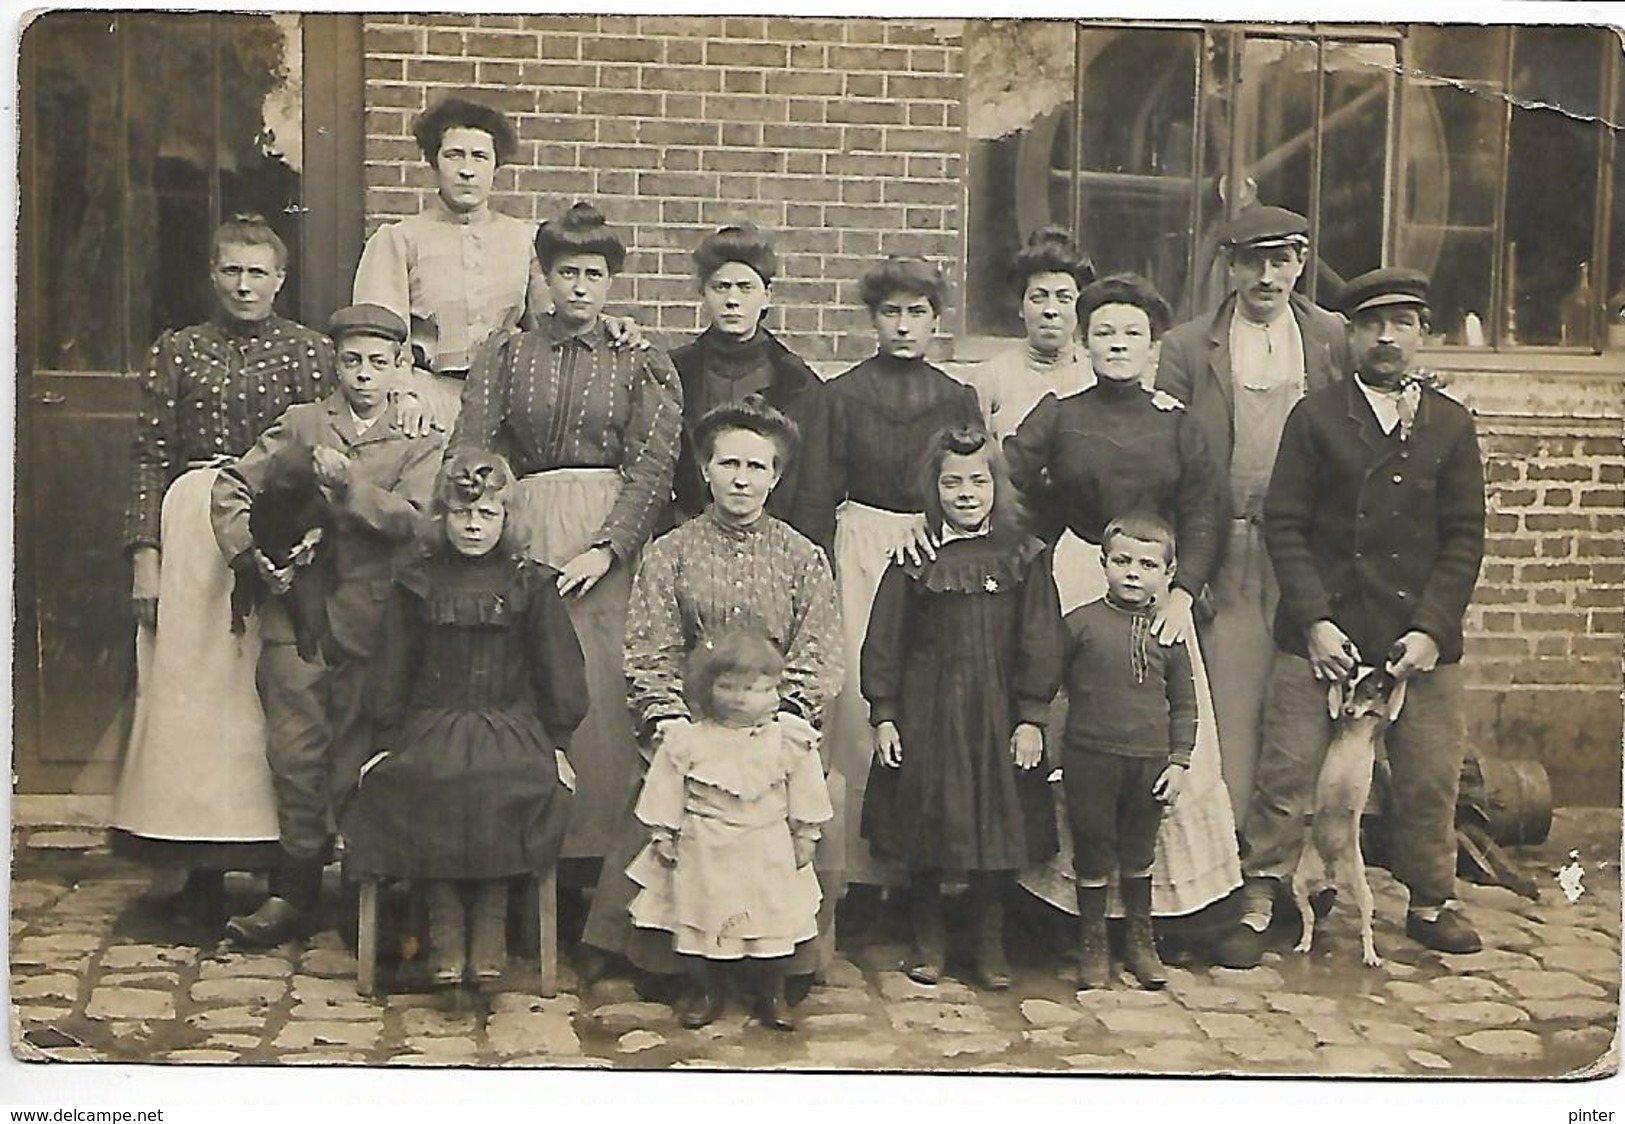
(546, 901)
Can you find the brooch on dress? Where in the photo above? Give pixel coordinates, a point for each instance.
(991, 584)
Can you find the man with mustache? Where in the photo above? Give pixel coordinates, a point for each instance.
(1374, 520)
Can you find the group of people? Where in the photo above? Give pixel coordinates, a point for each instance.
(720, 638)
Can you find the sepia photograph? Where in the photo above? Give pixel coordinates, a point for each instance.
(842, 544)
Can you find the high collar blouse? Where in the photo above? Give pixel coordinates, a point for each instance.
(208, 393)
(550, 399)
(706, 577)
(455, 277)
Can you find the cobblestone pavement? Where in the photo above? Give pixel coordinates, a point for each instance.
(90, 981)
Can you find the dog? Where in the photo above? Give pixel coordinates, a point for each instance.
(1361, 710)
(287, 521)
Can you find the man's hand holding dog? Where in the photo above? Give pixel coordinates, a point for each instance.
(1412, 653)
(1332, 655)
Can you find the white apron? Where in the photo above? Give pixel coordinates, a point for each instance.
(195, 769)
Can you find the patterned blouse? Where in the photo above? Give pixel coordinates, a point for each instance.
(703, 578)
(455, 278)
(549, 399)
(209, 391)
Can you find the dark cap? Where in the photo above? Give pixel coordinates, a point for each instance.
(1262, 228)
(1383, 287)
(367, 320)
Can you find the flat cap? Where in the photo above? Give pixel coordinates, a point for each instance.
(1261, 228)
(367, 320)
(1382, 287)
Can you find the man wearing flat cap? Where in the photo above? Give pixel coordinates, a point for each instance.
(1374, 520)
(1239, 372)
(375, 476)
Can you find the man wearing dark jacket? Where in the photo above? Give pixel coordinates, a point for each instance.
(1374, 520)
(1239, 372)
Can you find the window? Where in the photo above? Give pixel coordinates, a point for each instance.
(140, 132)
(1401, 146)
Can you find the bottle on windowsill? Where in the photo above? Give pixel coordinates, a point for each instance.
(1574, 315)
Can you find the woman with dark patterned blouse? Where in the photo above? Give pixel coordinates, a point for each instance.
(194, 791)
(733, 567)
(593, 432)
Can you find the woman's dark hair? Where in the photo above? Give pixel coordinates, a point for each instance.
(460, 113)
(1126, 288)
(903, 275)
(745, 652)
(1009, 513)
(1050, 249)
(741, 243)
(247, 229)
(751, 414)
(580, 230)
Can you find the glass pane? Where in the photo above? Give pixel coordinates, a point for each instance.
(77, 297)
(1616, 230)
(1137, 165)
(1354, 163)
(1452, 147)
(259, 145)
(1276, 119)
(1020, 84)
(1551, 206)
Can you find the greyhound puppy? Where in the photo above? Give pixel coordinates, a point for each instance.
(1361, 711)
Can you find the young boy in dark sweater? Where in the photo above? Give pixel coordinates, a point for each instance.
(1130, 731)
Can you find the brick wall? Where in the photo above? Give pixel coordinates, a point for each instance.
(843, 137)
(1544, 630)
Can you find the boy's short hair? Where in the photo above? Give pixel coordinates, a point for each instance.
(1145, 527)
(742, 651)
(903, 275)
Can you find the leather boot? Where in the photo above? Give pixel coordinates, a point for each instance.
(930, 937)
(289, 913)
(992, 967)
(705, 999)
(1139, 950)
(771, 1009)
(488, 930)
(448, 932)
(1094, 950)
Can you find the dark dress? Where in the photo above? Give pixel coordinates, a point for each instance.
(715, 370)
(959, 652)
(478, 678)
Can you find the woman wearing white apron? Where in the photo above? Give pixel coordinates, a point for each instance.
(593, 432)
(1110, 450)
(194, 789)
(882, 415)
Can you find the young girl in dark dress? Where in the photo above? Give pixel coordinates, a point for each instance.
(960, 664)
(478, 685)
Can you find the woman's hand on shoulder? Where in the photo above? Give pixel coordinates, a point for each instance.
(888, 745)
(917, 545)
(585, 570)
(1174, 621)
(624, 333)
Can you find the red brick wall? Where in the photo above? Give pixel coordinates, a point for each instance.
(843, 137)
(1544, 629)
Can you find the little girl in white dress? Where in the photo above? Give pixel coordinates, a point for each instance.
(734, 802)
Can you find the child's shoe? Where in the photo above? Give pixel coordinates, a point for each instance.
(930, 935)
(771, 1009)
(1139, 950)
(488, 931)
(1094, 947)
(448, 934)
(705, 999)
